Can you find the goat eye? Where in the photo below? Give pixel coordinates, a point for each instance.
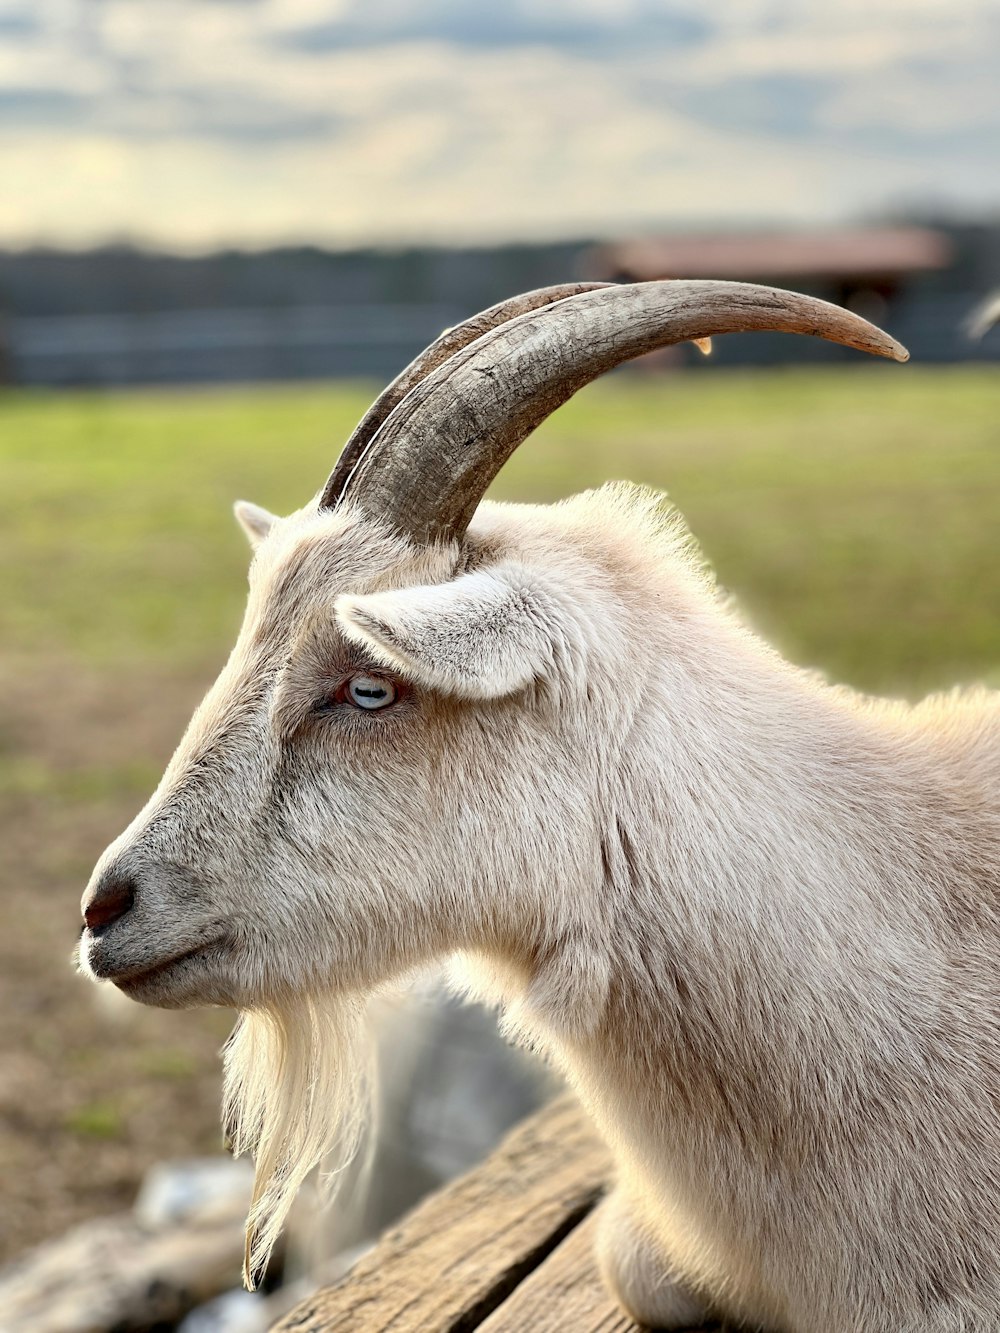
(370, 693)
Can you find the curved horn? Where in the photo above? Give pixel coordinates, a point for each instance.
(442, 446)
(450, 342)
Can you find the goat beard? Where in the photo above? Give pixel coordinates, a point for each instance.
(297, 1089)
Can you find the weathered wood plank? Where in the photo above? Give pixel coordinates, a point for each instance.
(458, 1256)
(564, 1293)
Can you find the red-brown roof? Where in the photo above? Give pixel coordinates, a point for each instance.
(843, 253)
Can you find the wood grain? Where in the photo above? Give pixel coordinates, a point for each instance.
(458, 1256)
(565, 1293)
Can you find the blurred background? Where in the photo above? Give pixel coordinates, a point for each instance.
(225, 223)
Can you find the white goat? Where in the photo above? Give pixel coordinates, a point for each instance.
(755, 919)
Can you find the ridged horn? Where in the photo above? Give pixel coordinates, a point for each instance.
(450, 341)
(444, 442)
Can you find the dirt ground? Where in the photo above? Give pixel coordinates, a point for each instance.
(93, 1088)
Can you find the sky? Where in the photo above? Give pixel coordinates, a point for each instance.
(193, 123)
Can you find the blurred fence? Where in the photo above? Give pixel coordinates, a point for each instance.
(371, 340)
(191, 346)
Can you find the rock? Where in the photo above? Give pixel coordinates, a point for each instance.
(176, 1192)
(116, 1274)
(235, 1311)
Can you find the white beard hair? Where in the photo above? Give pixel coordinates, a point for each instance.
(298, 1088)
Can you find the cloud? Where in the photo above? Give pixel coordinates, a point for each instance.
(191, 122)
(518, 23)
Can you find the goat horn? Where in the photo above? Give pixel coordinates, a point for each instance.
(450, 342)
(441, 447)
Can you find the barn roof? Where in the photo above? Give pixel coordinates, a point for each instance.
(842, 253)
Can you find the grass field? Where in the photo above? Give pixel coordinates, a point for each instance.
(852, 512)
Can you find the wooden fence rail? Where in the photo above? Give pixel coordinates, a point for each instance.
(507, 1248)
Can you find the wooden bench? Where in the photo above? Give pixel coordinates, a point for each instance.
(507, 1248)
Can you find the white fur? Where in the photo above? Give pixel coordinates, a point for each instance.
(286, 1067)
(255, 521)
(482, 635)
(755, 919)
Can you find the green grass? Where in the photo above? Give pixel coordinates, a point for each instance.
(28, 775)
(97, 1120)
(853, 511)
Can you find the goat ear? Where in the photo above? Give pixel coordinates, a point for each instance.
(483, 635)
(254, 521)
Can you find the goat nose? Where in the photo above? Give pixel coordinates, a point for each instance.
(110, 898)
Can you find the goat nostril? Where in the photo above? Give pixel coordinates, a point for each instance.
(113, 895)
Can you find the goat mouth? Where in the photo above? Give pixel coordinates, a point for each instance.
(142, 977)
